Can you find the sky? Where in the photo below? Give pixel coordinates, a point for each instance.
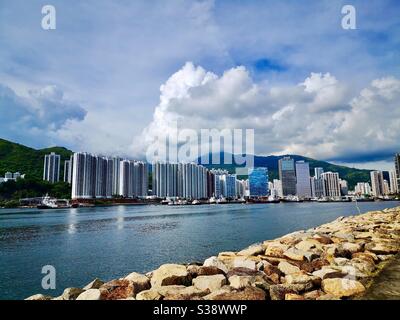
(113, 76)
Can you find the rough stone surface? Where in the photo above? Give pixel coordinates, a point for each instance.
(39, 297)
(170, 274)
(211, 283)
(342, 287)
(90, 294)
(95, 284)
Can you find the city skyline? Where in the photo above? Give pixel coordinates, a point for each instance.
(341, 106)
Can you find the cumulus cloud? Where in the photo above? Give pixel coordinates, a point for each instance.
(36, 116)
(317, 117)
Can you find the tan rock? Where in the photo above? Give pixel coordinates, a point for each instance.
(90, 294)
(71, 293)
(252, 251)
(170, 274)
(151, 294)
(287, 268)
(139, 282)
(211, 283)
(187, 293)
(240, 282)
(249, 293)
(117, 289)
(215, 262)
(342, 287)
(293, 296)
(95, 284)
(39, 297)
(276, 249)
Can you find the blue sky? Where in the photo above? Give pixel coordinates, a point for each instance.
(93, 84)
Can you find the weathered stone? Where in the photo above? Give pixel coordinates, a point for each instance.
(383, 257)
(39, 297)
(170, 274)
(313, 295)
(370, 257)
(287, 268)
(243, 272)
(95, 284)
(278, 292)
(90, 294)
(117, 289)
(273, 273)
(139, 282)
(239, 282)
(241, 262)
(216, 294)
(381, 248)
(318, 263)
(249, 293)
(327, 272)
(309, 244)
(252, 251)
(293, 296)
(215, 262)
(351, 247)
(276, 249)
(195, 271)
(301, 278)
(187, 293)
(341, 261)
(295, 254)
(151, 294)
(324, 239)
(211, 283)
(342, 287)
(71, 293)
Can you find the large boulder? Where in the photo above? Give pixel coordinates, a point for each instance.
(249, 293)
(39, 297)
(170, 274)
(151, 294)
(139, 282)
(71, 293)
(90, 294)
(95, 284)
(276, 249)
(342, 287)
(287, 268)
(196, 271)
(215, 262)
(187, 293)
(252, 251)
(211, 283)
(117, 289)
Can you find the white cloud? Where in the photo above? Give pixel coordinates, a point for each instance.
(316, 118)
(38, 115)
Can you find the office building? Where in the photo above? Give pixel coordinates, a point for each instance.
(287, 175)
(258, 182)
(303, 185)
(51, 171)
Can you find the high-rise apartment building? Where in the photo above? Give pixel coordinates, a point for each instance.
(397, 168)
(68, 165)
(287, 175)
(303, 185)
(393, 182)
(377, 183)
(51, 170)
(331, 184)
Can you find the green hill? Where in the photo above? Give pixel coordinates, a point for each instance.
(16, 157)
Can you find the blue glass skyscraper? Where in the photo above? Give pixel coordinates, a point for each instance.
(258, 182)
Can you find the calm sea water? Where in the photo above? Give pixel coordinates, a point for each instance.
(110, 242)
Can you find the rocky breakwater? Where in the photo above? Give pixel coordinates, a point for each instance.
(337, 260)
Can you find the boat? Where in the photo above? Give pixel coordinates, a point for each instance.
(222, 201)
(212, 200)
(196, 202)
(48, 203)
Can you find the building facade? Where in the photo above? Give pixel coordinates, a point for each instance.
(258, 182)
(377, 183)
(51, 170)
(287, 176)
(331, 184)
(303, 185)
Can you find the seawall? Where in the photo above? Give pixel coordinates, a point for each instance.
(337, 260)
